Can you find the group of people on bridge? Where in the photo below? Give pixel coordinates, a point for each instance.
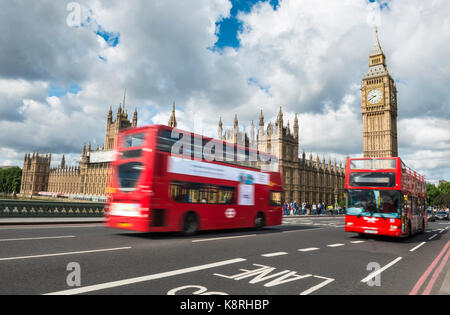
(306, 208)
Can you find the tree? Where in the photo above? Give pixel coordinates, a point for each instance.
(444, 188)
(432, 193)
(10, 180)
(442, 201)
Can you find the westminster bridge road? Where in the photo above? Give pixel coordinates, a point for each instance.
(303, 256)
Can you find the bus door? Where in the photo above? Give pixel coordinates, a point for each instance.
(246, 202)
(415, 215)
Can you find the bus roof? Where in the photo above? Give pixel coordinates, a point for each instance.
(164, 127)
(382, 164)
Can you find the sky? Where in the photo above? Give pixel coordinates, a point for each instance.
(63, 64)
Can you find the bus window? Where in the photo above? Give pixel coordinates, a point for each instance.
(275, 198)
(372, 180)
(135, 140)
(226, 195)
(199, 193)
(129, 174)
(212, 196)
(376, 201)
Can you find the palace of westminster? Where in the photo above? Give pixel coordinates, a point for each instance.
(305, 178)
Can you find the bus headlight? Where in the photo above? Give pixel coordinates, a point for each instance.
(125, 210)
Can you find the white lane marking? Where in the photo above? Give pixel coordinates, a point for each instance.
(442, 231)
(54, 226)
(120, 283)
(66, 254)
(311, 229)
(274, 254)
(417, 247)
(335, 245)
(376, 273)
(35, 238)
(358, 242)
(305, 250)
(222, 238)
(317, 287)
(433, 237)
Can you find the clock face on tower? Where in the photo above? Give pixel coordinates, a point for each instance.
(374, 96)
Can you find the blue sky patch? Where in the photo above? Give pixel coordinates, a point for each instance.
(253, 81)
(111, 38)
(229, 27)
(59, 91)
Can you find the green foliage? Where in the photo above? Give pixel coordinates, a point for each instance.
(432, 193)
(438, 196)
(442, 201)
(10, 180)
(444, 188)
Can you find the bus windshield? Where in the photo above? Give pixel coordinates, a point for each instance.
(375, 201)
(129, 174)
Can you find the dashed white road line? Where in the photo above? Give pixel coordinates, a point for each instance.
(53, 226)
(305, 250)
(417, 247)
(35, 238)
(432, 237)
(65, 254)
(358, 242)
(222, 238)
(335, 245)
(376, 273)
(274, 254)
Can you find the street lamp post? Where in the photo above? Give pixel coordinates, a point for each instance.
(336, 194)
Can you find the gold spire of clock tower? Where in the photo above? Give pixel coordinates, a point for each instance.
(379, 107)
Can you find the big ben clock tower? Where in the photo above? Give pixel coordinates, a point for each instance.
(379, 107)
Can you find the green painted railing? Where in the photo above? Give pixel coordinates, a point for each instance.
(55, 209)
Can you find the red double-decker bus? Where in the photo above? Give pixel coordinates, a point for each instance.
(384, 197)
(166, 179)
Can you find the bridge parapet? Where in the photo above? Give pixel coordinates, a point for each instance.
(39, 209)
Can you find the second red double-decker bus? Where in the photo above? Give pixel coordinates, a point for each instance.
(384, 197)
(165, 179)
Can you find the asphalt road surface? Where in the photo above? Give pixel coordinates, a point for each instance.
(304, 256)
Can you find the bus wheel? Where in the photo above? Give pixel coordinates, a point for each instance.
(422, 230)
(408, 231)
(260, 222)
(190, 224)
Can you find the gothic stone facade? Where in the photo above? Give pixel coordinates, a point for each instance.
(89, 178)
(304, 179)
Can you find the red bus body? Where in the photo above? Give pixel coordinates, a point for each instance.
(171, 186)
(384, 197)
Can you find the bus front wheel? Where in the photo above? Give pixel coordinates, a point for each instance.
(190, 224)
(260, 221)
(408, 231)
